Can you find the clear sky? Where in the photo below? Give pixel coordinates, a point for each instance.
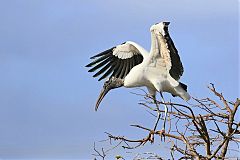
(47, 97)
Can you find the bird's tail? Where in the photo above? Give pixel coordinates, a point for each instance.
(184, 86)
(181, 91)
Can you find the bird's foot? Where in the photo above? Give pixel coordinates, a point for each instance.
(162, 135)
(151, 136)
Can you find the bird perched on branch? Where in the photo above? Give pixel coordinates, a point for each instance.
(130, 65)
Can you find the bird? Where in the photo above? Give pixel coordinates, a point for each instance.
(130, 65)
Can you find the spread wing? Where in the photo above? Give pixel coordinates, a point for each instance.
(116, 61)
(167, 53)
(176, 70)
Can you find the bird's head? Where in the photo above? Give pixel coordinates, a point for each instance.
(160, 28)
(108, 85)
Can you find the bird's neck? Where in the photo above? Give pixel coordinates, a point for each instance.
(155, 46)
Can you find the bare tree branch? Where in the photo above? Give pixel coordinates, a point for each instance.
(206, 124)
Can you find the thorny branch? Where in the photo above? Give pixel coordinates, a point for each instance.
(209, 124)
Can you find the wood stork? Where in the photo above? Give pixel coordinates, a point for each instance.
(130, 65)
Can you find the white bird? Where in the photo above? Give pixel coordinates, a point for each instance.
(130, 65)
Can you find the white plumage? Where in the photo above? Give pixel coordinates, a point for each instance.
(130, 65)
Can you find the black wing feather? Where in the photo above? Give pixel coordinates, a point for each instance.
(103, 69)
(121, 75)
(100, 65)
(109, 71)
(133, 61)
(117, 65)
(98, 60)
(103, 53)
(119, 69)
(127, 67)
(130, 63)
(176, 70)
(139, 59)
(111, 64)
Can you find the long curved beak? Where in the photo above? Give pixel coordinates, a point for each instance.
(103, 92)
(108, 85)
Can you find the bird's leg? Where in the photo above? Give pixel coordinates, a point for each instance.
(152, 94)
(158, 116)
(151, 134)
(165, 114)
(158, 113)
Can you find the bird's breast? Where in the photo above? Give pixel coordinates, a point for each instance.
(135, 77)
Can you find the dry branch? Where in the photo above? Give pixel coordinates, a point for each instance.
(213, 129)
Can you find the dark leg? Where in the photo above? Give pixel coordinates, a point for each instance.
(158, 113)
(165, 113)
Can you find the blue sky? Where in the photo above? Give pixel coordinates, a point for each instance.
(47, 97)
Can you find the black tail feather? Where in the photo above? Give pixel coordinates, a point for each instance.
(184, 86)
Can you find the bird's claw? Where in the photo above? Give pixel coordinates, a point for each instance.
(151, 136)
(162, 135)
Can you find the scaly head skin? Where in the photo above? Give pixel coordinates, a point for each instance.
(108, 85)
(160, 28)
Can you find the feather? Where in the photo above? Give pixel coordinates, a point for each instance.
(127, 69)
(97, 60)
(100, 64)
(110, 70)
(119, 69)
(103, 69)
(103, 53)
(121, 75)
